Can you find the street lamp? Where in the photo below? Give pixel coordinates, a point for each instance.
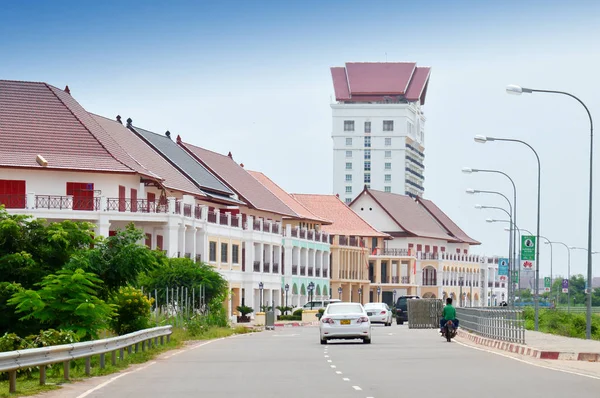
(340, 292)
(518, 90)
(378, 293)
(460, 283)
(484, 139)
(568, 272)
(360, 294)
(311, 287)
(468, 170)
(588, 282)
(394, 297)
(260, 288)
(287, 289)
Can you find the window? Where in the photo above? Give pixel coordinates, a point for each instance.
(367, 127)
(348, 154)
(367, 154)
(388, 141)
(367, 178)
(235, 254)
(212, 251)
(159, 242)
(348, 189)
(367, 142)
(134, 198)
(122, 204)
(409, 128)
(348, 125)
(348, 141)
(388, 154)
(83, 195)
(388, 178)
(388, 166)
(367, 165)
(388, 189)
(224, 248)
(348, 177)
(388, 125)
(348, 200)
(12, 194)
(349, 167)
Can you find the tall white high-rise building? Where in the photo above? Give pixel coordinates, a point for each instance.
(379, 128)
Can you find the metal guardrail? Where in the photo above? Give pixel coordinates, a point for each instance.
(497, 323)
(12, 361)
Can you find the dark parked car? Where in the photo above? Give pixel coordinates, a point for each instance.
(402, 308)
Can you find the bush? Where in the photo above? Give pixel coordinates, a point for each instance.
(244, 310)
(11, 342)
(217, 314)
(290, 318)
(51, 337)
(132, 311)
(298, 312)
(197, 326)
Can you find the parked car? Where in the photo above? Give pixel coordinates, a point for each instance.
(379, 313)
(402, 308)
(317, 304)
(345, 321)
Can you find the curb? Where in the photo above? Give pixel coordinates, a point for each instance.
(529, 351)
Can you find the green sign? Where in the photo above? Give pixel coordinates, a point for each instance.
(547, 281)
(528, 247)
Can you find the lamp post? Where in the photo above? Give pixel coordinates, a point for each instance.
(287, 289)
(311, 287)
(378, 293)
(518, 90)
(340, 292)
(360, 294)
(394, 297)
(588, 282)
(460, 283)
(482, 139)
(568, 272)
(260, 288)
(469, 170)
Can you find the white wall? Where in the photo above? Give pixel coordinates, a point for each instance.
(377, 217)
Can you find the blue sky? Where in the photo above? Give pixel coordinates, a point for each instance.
(253, 78)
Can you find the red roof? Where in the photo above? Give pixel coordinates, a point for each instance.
(147, 157)
(39, 119)
(301, 211)
(238, 179)
(371, 81)
(344, 220)
(446, 221)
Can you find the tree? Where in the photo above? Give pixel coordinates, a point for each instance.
(67, 300)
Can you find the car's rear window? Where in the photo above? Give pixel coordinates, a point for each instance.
(374, 305)
(344, 309)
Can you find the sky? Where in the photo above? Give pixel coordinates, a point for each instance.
(253, 78)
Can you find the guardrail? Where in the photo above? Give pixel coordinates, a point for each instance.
(12, 361)
(498, 323)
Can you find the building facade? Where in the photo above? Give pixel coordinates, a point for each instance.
(378, 128)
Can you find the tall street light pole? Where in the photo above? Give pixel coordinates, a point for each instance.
(518, 90)
(518, 240)
(469, 170)
(482, 139)
(568, 273)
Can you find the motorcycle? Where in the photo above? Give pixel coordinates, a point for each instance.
(449, 331)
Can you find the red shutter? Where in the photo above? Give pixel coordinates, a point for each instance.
(149, 240)
(12, 194)
(134, 205)
(427, 248)
(443, 249)
(159, 242)
(458, 251)
(151, 198)
(112, 233)
(465, 251)
(419, 248)
(83, 195)
(121, 198)
(435, 249)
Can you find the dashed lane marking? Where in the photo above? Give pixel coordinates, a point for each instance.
(357, 388)
(338, 372)
(333, 366)
(346, 379)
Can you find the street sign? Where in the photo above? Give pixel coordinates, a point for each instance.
(502, 266)
(547, 284)
(528, 247)
(527, 265)
(565, 286)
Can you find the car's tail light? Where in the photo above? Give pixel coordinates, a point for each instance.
(383, 312)
(363, 319)
(327, 320)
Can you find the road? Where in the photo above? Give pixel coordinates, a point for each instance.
(292, 363)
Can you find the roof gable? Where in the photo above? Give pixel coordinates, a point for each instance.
(372, 212)
(443, 219)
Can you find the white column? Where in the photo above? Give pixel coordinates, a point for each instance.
(171, 235)
(103, 227)
(194, 233)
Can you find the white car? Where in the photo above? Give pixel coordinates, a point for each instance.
(316, 304)
(379, 313)
(345, 321)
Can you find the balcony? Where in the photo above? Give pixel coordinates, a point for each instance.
(405, 280)
(392, 252)
(303, 270)
(294, 232)
(275, 268)
(325, 273)
(266, 267)
(212, 217)
(70, 203)
(415, 173)
(257, 266)
(256, 225)
(275, 228)
(343, 240)
(311, 271)
(294, 270)
(187, 210)
(302, 234)
(311, 235)
(223, 219)
(395, 279)
(235, 222)
(414, 184)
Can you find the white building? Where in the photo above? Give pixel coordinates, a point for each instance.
(378, 128)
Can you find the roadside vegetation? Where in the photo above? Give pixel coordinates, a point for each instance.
(59, 284)
(562, 323)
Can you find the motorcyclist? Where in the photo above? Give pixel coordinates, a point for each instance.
(448, 314)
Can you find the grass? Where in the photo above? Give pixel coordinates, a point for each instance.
(28, 383)
(562, 323)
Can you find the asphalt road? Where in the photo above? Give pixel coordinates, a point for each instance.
(292, 363)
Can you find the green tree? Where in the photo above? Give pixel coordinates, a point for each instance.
(183, 272)
(67, 300)
(132, 310)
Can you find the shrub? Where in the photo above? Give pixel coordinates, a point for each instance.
(298, 312)
(51, 337)
(132, 310)
(244, 310)
(217, 314)
(11, 342)
(197, 326)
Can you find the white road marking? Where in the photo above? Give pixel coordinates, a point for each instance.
(338, 372)
(326, 356)
(390, 334)
(527, 362)
(329, 360)
(346, 379)
(357, 388)
(333, 366)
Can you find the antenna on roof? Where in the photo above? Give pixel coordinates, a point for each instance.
(168, 134)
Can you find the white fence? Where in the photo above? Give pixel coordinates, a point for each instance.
(13, 361)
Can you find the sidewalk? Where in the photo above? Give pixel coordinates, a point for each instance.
(543, 346)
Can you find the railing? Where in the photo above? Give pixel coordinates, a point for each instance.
(13, 201)
(294, 232)
(303, 270)
(256, 225)
(497, 324)
(198, 258)
(325, 273)
(395, 279)
(302, 234)
(294, 270)
(235, 221)
(311, 271)
(12, 361)
(275, 268)
(343, 240)
(66, 202)
(353, 241)
(266, 267)
(392, 252)
(223, 219)
(275, 228)
(311, 235)
(212, 217)
(405, 279)
(188, 255)
(198, 212)
(187, 210)
(318, 236)
(257, 266)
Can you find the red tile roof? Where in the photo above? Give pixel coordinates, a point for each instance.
(147, 157)
(371, 81)
(446, 221)
(345, 220)
(301, 211)
(409, 215)
(238, 179)
(39, 119)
